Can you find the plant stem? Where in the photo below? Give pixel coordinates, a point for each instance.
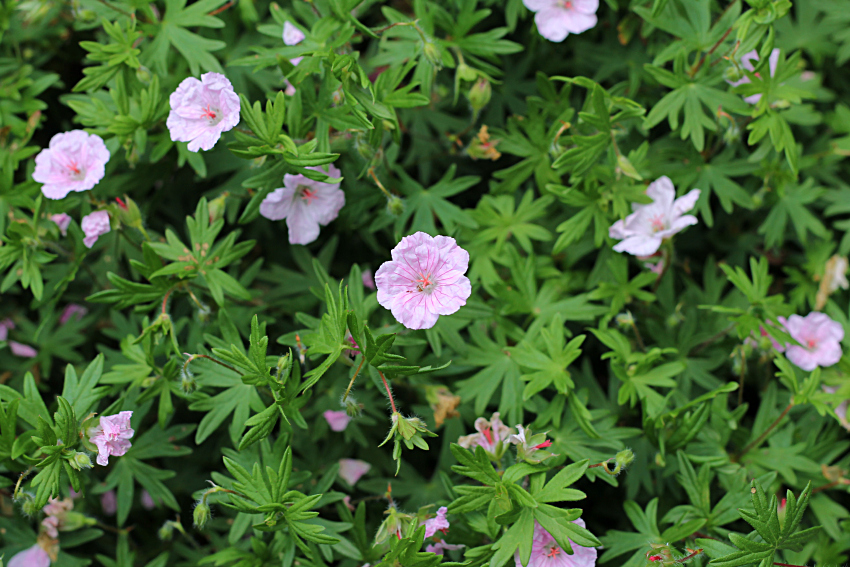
(165, 299)
(353, 378)
(696, 67)
(222, 9)
(378, 183)
(389, 394)
(693, 554)
(764, 435)
(194, 356)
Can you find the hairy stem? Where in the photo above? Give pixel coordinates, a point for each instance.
(389, 393)
(353, 378)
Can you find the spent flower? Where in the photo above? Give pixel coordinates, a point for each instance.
(34, 556)
(338, 420)
(63, 221)
(529, 447)
(493, 436)
(350, 470)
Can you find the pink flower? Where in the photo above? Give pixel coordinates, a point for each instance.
(338, 420)
(355, 347)
(109, 502)
(350, 470)
(437, 523)
(94, 225)
(51, 526)
(201, 110)
(441, 546)
(490, 435)
(148, 502)
(74, 161)
(556, 19)
(424, 280)
(291, 34)
(747, 63)
(6, 325)
(819, 336)
(841, 410)
(111, 436)
(56, 507)
(35, 556)
(72, 310)
(368, 279)
(305, 204)
(24, 351)
(545, 552)
(63, 221)
(643, 231)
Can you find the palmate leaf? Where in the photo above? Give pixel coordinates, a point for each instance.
(423, 205)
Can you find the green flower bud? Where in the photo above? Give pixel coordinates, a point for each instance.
(166, 532)
(127, 212)
(432, 52)
(27, 504)
(143, 74)
(395, 206)
(480, 93)
(201, 514)
(624, 458)
(466, 73)
(80, 461)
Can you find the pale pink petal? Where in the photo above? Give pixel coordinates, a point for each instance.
(686, 202)
(350, 470)
(773, 61)
(663, 193)
(277, 204)
(109, 502)
(639, 245)
(537, 5)
(553, 23)
(368, 279)
(148, 502)
(94, 225)
(618, 230)
(34, 556)
(442, 546)
(111, 436)
(338, 420)
(72, 310)
(580, 22)
(63, 221)
(24, 351)
(585, 6)
(5, 326)
(438, 523)
(802, 357)
(291, 34)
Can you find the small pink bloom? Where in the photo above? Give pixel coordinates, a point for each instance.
(350, 470)
(35, 556)
(95, 225)
(24, 351)
(424, 280)
(51, 526)
(201, 110)
(643, 231)
(442, 546)
(338, 420)
(747, 63)
(72, 310)
(545, 552)
(56, 507)
(63, 221)
(289, 88)
(556, 19)
(291, 34)
(74, 161)
(109, 502)
(354, 351)
(148, 502)
(6, 325)
(819, 337)
(438, 523)
(368, 279)
(490, 434)
(111, 436)
(305, 204)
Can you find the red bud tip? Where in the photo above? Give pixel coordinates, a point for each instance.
(655, 558)
(121, 203)
(547, 443)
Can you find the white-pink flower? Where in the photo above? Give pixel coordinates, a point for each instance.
(109, 502)
(72, 310)
(291, 34)
(556, 19)
(94, 225)
(22, 350)
(305, 204)
(545, 551)
(338, 420)
(442, 546)
(437, 523)
(74, 161)
(819, 337)
(424, 280)
(643, 231)
(34, 556)
(201, 110)
(111, 436)
(63, 221)
(748, 61)
(350, 470)
(490, 435)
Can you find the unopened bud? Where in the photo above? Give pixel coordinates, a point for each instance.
(624, 458)
(143, 74)
(217, 207)
(166, 532)
(352, 407)
(480, 93)
(27, 503)
(432, 52)
(733, 74)
(81, 461)
(127, 212)
(187, 382)
(395, 206)
(625, 319)
(201, 514)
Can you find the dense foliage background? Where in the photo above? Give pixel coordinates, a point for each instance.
(230, 345)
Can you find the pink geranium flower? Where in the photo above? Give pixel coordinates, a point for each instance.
(819, 337)
(556, 19)
(305, 204)
(34, 556)
(424, 280)
(72, 310)
(338, 420)
(545, 551)
(291, 34)
(350, 470)
(74, 161)
(437, 523)
(490, 435)
(22, 350)
(643, 231)
(111, 436)
(63, 221)
(94, 225)
(442, 546)
(201, 110)
(747, 62)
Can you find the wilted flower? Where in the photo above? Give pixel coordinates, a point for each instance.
(437, 523)
(442, 546)
(643, 231)
(556, 19)
(545, 551)
(74, 161)
(482, 147)
(492, 436)
(201, 110)
(63, 221)
(530, 448)
(350, 470)
(94, 225)
(34, 556)
(338, 420)
(109, 502)
(424, 280)
(291, 34)
(819, 336)
(443, 403)
(747, 63)
(22, 350)
(305, 204)
(56, 511)
(834, 277)
(111, 436)
(72, 310)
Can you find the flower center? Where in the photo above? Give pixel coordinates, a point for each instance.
(567, 4)
(657, 224)
(308, 194)
(425, 283)
(76, 173)
(811, 343)
(488, 434)
(212, 115)
(554, 551)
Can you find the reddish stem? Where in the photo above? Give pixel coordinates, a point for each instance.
(389, 394)
(222, 9)
(165, 299)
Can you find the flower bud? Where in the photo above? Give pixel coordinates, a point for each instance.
(625, 319)
(217, 207)
(432, 52)
(127, 212)
(27, 504)
(352, 407)
(80, 461)
(187, 382)
(166, 532)
(143, 74)
(201, 514)
(466, 73)
(395, 206)
(480, 93)
(624, 458)
(733, 74)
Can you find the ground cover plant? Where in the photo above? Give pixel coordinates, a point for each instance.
(546, 283)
